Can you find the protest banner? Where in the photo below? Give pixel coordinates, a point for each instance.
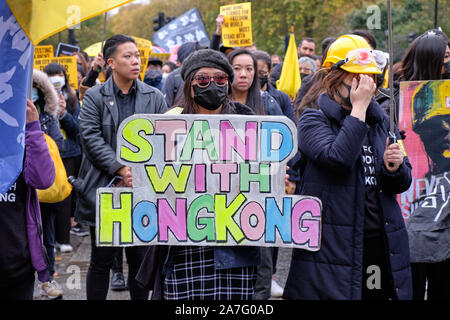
(65, 49)
(68, 62)
(186, 28)
(207, 180)
(41, 52)
(164, 57)
(424, 115)
(237, 27)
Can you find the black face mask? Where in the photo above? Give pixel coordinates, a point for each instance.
(346, 100)
(302, 75)
(211, 97)
(263, 80)
(446, 74)
(380, 80)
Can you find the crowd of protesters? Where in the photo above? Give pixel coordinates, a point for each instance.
(342, 114)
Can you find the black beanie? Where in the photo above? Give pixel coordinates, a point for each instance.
(185, 50)
(206, 58)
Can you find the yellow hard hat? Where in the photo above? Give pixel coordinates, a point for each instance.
(353, 54)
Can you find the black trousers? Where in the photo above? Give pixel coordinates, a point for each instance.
(377, 279)
(20, 289)
(438, 277)
(62, 220)
(102, 258)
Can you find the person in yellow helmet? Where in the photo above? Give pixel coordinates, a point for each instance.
(347, 162)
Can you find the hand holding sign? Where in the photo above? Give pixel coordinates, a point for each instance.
(219, 22)
(32, 113)
(127, 178)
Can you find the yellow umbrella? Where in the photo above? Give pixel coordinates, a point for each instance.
(94, 49)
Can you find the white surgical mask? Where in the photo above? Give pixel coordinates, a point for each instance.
(58, 82)
(165, 75)
(34, 94)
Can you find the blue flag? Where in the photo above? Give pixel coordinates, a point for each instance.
(15, 72)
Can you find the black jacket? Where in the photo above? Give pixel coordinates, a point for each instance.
(330, 140)
(98, 124)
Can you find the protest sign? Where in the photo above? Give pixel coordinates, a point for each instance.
(69, 64)
(186, 28)
(164, 57)
(65, 49)
(424, 115)
(43, 52)
(237, 27)
(144, 55)
(142, 43)
(207, 180)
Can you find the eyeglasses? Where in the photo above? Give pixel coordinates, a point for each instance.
(203, 80)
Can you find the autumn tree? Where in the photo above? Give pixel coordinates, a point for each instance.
(408, 17)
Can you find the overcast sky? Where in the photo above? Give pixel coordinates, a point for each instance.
(114, 11)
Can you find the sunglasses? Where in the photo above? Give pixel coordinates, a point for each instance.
(203, 80)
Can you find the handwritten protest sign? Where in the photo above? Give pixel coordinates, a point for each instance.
(68, 62)
(237, 27)
(207, 180)
(424, 115)
(41, 52)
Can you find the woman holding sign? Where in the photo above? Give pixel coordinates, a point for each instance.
(202, 272)
(348, 163)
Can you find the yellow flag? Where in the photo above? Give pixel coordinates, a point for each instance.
(290, 80)
(41, 19)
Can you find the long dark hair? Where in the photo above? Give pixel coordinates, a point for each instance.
(71, 100)
(311, 96)
(317, 88)
(424, 58)
(254, 100)
(190, 107)
(429, 57)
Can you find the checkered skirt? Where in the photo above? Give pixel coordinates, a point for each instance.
(194, 277)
